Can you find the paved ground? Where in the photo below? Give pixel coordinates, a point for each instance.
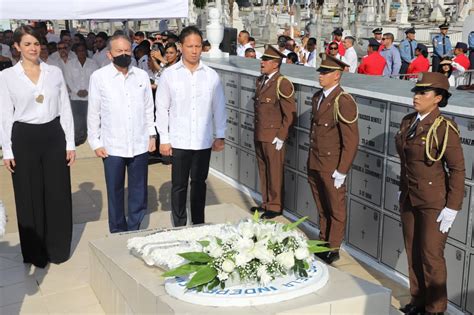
(64, 289)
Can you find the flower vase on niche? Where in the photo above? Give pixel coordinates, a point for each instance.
(215, 34)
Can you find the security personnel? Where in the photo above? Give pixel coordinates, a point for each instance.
(373, 63)
(275, 111)
(441, 46)
(334, 139)
(378, 36)
(431, 191)
(407, 49)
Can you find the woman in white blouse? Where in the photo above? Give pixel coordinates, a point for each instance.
(38, 149)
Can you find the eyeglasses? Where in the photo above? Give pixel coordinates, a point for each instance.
(333, 48)
(383, 38)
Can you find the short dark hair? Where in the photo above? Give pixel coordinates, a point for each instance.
(173, 45)
(102, 35)
(115, 37)
(293, 57)
(351, 39)
(312, 40)
(206, 43)
(249, 50)
(251, 39)
(76, 46)
(64, 33)
(245, 32)
(189, 30)
(7, 31)
(25, 30)
(139, 34)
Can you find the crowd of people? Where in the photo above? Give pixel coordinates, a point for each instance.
(384, 57)
(124, 95)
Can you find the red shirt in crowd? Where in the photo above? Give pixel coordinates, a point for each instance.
(419, 64)
(372, 64)
(462, 60)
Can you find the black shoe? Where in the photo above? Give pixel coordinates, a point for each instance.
(412, 309)
(259, 209)
(329, 257)
(270, 214)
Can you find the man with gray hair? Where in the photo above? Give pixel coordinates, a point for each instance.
(121, 131)
(391, 56)
(350, 57)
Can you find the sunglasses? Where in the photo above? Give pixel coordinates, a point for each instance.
(383, 38)
(333, 48)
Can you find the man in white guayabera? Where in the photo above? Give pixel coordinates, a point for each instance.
(189, 103)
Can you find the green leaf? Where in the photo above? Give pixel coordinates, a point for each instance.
(203, 276)
(199, 257)
(292, 226)
(219, 241)
(306, 265)
(316, 242)
(318, 249)
(183, 270)
(213, 284)
(204, 243)
(222, 285)
(256, 216)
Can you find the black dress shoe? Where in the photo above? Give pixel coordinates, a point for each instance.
(331, 257)
(258, 208)
(412, 309)
(270, 214)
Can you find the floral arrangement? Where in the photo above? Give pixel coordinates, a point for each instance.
(256, 251)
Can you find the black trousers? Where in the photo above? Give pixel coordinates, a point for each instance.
(435, 60)
(403, 69)
(42, 186)
(186, 163)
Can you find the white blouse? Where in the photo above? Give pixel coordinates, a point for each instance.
(23, 101)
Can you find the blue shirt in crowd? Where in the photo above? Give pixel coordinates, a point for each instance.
(407, 50)
(394, 62)
(442, 46)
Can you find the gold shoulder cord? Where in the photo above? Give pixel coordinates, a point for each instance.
(433, 135)
(337, 113)
(278, 88)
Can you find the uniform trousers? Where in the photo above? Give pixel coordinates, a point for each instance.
(425, 244)
(435, 60)
(270, 169)
(185, 164)
(331, 204)
(42, 186)
(137, 172)
(404, 69)
(79, 114)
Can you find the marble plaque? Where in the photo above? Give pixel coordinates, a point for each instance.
(397, 112)
(371, 121)
(247, 131)
(304, 105)
(247, 92)
(367, 177)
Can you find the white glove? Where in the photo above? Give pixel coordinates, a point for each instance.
(278, 143)
(446, 217)
(398, 195)
(338, 179)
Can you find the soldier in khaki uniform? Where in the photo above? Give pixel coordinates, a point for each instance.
(275, 110)
(431, 191)
(334, 139)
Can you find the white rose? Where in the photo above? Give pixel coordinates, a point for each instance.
(287, 259)
(242, 258)
(214, 250)
(228, 266)
(247, 229)
(244, 245)
(302, 253)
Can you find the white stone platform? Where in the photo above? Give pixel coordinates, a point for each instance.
(124, 284)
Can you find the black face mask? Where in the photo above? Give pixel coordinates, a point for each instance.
(123, 61)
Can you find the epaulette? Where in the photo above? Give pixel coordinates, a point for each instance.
(279, 93)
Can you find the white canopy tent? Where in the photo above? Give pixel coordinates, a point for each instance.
(93, 9)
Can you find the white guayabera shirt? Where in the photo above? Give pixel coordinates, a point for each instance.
(23, 101)
(120, 114)
(189, 105)
(77, 76)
